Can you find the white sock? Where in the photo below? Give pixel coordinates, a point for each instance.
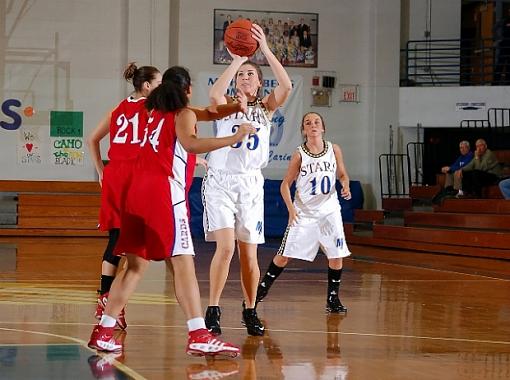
(460, 192)
(196, 323)
(107, 321)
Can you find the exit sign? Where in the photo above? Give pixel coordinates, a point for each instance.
(349, 93)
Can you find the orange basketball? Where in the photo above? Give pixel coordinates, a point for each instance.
(238, 38)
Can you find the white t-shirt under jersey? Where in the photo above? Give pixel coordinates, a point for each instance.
(252, 153)
(315, 184)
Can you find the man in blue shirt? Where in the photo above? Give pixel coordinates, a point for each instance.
(453, 183)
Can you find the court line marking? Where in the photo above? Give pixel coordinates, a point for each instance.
(123, 368)
(376, 335)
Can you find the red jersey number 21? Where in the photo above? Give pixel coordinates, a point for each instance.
(122, 134)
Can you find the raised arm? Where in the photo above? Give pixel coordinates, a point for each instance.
(95, 137)
(220, 87)
(185, 122)
(290, 177)
(281, 92)
(341, 173)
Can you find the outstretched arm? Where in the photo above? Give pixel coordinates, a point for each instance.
(204, 114)
(290, 177)
(341, 172)
(281, 92)
(101, 130)
(219, 88)
(185, 122)
(240, 104)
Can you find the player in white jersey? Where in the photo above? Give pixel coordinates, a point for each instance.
(314, 217)
(232, 191)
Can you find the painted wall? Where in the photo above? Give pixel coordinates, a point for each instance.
(437, 106)
(70, 56)
(440, 17)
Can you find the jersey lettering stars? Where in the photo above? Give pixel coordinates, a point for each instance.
(252, 153)
(315, 184)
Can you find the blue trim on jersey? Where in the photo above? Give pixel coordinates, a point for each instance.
(171, 254)
(182, 159)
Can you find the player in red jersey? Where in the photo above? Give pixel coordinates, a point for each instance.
(155, 218)
(125, 124)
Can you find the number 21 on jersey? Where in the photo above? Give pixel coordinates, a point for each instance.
(122, 133)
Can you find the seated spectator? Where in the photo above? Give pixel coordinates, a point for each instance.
(504, 187)
(483, 170)
(453, 183)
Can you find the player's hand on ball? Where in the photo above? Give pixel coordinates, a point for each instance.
(258, 33)
(237, 58)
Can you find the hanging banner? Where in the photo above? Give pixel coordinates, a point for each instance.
(285, 131)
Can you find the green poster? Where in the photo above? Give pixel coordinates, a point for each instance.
(66, 124)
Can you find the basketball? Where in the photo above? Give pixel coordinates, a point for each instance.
(238, 38)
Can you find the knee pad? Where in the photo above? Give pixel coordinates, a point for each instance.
(108, 255)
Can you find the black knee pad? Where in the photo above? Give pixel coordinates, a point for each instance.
(108, 255)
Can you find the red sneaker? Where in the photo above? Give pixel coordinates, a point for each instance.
(101, 304)
(102, 339)
(102, 299)
(201, 343)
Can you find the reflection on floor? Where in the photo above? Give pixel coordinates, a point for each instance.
(411, 316)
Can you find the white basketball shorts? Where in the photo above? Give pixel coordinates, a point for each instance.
(302, 240)
(234, 201)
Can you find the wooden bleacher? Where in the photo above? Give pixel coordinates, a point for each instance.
(54, 208)
(468, 227)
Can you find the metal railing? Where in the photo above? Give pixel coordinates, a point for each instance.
(499, 117)
(415, 159)
(475, 123)
(496, 118)
(394, 175)
(454, 62)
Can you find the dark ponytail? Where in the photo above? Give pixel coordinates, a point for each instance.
(172, 93)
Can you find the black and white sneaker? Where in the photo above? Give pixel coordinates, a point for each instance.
(212, 319)
(262, 291)
(252, 322)
(333, 305)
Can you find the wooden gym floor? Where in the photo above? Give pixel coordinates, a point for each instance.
(411, 316)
